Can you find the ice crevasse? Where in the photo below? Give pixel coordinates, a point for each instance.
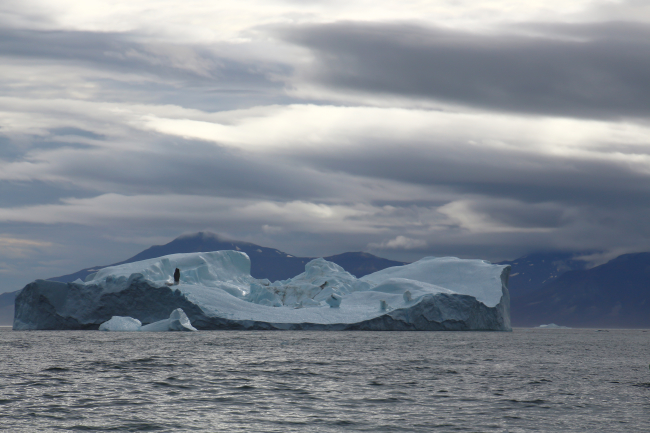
(216, 291)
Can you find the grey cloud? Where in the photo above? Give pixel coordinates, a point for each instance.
(585, 70)
(190, 75)
(119, 51)
(622, 10)
(24, 193)
(522, 176)
(173, 166)
(575, 202)
(9, 150)
(522, 215)
(16, 148)
(574, 198)
(67, 130)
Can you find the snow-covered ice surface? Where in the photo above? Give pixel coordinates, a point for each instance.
(216, 291)
(476, 278)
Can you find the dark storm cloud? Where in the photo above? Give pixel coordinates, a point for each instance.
(522, 215)
(518, 175)
(183, 167)
(166, 166)
(22, 193)
(585, 70)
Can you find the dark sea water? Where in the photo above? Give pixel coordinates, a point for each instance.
(526, 380)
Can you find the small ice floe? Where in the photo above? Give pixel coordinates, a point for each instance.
(178, 321)
(553, 326)
(121, 324)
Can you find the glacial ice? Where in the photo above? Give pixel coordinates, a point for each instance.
(121, 324)
(475, 278)
(553, 326)
(177, 321)
(334, 300)
(216, 291)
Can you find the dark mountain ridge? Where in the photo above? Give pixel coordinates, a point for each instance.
(615, 295)
(266, 262)
(531, 272)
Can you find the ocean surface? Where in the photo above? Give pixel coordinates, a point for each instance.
(527, 380)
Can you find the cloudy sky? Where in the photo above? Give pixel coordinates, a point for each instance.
(482, 128)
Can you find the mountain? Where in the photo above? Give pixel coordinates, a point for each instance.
(531, 272)
(360, 264)
(613, 295)
(265, 262)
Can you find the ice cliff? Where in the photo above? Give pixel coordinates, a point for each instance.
(216, 291)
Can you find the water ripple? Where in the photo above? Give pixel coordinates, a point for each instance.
(527, 380)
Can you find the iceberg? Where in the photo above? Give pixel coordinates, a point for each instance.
(553, 326)
(216, 291)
